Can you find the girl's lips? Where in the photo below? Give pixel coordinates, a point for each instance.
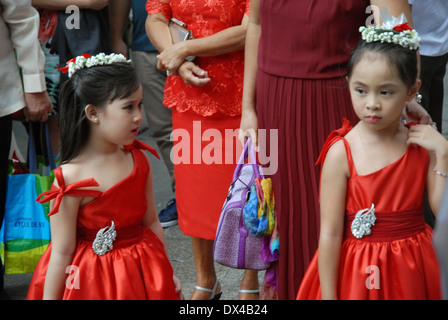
(373, 118)
(135, 131)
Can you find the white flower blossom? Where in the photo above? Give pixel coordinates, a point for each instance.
(99, 59)
(408, 38)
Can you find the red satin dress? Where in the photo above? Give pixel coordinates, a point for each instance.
(397, 260)
(136, 268)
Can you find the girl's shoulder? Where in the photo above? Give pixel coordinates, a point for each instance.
(70, 172)
(337, 153)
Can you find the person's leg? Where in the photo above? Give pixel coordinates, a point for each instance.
(5, 145)
(432, 89)
(249, 287)
(205, 269)
(156, 115)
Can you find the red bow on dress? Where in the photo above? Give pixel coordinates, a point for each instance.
(70, 190)
(143, 146)
(332, 138)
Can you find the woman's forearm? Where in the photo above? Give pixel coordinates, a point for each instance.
(63, 4)
(228, 40)
(158, 32)
(251, 66)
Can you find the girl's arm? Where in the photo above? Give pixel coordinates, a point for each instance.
(249, 119)
(333, 187)
(151, 220)
(432, 140)
(63, 241)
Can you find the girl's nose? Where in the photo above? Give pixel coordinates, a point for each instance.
(373, 104)
(138, 115)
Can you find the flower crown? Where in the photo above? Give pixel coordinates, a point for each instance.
(86, 61)
(393, 30)
(401, 34)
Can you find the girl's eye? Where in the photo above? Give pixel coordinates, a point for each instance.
(386, 93)
(140, 105)
(361, 91)
(129, 107)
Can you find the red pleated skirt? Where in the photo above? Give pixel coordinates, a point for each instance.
(304, 111)
(205, 153)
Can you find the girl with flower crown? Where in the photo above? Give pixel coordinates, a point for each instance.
(374, 242)
(107, 242)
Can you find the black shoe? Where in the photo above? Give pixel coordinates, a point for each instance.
(168, 216)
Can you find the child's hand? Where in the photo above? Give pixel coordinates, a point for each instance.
(178, 287)
(428, 137)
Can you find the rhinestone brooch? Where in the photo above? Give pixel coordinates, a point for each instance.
(104, 239)
(363, 222)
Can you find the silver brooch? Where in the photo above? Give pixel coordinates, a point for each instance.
(104, 240)
(363, 222)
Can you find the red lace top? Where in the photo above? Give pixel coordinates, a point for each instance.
(206, 17)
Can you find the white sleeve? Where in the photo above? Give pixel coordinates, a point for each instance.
(23, 22)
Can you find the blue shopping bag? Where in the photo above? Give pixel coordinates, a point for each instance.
(25, 232)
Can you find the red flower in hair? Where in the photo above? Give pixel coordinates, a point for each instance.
(402, 27)
(65, 69)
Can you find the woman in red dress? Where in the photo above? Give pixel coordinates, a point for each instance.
(205, 95)
(295, 69)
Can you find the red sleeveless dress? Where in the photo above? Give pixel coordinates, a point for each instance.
(136, 267)
(397, 260)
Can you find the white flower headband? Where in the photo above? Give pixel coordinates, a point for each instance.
(394, 30)
(86, 61)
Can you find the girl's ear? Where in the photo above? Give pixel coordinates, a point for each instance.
(91, 113)
(413, 91)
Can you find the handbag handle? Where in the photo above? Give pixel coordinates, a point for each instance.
(32, 149)
(248, 151)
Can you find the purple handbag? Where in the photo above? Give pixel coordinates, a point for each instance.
(234, 246)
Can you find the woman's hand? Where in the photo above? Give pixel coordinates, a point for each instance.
(249, 127)
(414, 112)
(429, 138)
(172, 57)
(192, 74)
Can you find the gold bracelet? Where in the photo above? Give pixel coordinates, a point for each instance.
(440, 173)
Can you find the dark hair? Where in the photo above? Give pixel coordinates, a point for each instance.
(98, 85)
(405, 60)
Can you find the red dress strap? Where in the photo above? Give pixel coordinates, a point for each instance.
(143, 146)
(70, 190)
(334, 136)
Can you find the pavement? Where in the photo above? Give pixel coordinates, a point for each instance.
(179, 245)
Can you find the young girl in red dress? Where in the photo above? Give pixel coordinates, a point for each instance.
(374, 242)
(107, 242)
